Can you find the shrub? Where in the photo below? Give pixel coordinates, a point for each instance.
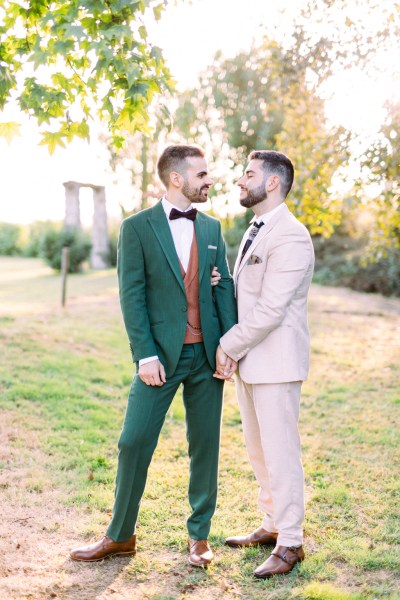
(382, 276)
(9, 239)
(233, 230)
(34, 234)
(53, 242)
(113, 246)
(340, 261)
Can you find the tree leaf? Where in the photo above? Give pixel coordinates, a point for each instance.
(52, 140)
(9, 130)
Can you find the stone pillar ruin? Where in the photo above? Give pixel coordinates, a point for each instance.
(99, 256)
(72, 208)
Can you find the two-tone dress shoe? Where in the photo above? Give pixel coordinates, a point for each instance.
(281, 561)
(259, 537)
(103, 549)
(200, 553)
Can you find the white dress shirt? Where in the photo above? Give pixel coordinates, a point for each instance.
(182, 233)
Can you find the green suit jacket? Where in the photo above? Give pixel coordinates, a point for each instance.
(152, 293)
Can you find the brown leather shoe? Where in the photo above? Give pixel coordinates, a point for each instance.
(200, 553)
(259, 537)
(281, 561)
(104, 548)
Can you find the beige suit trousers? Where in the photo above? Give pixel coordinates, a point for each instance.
(270, 413)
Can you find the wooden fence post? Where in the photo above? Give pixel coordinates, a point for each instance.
(64, 273)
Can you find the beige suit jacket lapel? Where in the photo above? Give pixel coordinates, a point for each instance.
(241, 246)
(264, 231)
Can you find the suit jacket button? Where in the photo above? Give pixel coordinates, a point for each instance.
(184, 308)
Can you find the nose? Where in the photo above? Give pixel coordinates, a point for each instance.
(240, 182)
(210, 181)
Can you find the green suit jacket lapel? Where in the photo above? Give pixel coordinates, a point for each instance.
(201, 227)
(159, 224)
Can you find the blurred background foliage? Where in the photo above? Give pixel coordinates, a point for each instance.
(272, 97)
(45, 239)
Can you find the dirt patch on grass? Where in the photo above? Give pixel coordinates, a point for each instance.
(344, 301)
(37, 531)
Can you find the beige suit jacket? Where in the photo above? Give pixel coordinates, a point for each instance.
(271, 340)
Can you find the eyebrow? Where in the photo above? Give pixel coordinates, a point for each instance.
(249, 171)
(201, 173)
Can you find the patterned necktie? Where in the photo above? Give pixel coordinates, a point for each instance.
(177, 214)
(252, 234)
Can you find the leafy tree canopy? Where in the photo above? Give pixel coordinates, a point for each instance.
(382, 163)
(258, 100)
(67, 62)
(272, 97)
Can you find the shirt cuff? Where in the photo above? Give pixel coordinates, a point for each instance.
(143, 361)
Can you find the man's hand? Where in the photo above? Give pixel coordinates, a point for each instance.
(226, 366)
(152, 373)
(215, 276)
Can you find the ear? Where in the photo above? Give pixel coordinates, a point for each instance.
(175, 179)
(273, 182)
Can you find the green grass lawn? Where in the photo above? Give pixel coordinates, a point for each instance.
(64, 379)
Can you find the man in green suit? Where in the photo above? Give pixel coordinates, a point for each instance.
(174, 319)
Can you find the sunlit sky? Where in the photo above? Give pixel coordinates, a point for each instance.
(189, 34)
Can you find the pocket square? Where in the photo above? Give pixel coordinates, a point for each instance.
(254, 260)
(212, 247)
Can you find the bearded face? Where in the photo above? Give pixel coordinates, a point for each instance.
(254, 196)
(195, 193)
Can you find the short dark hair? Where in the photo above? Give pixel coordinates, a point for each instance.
(173, 159)
(276, 163)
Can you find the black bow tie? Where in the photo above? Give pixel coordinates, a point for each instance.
(177, 214)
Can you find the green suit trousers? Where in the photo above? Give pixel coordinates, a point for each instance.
(145, 415)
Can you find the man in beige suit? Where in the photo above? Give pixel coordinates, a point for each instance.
(272, 275)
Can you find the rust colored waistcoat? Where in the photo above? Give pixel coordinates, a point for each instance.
(191, 283)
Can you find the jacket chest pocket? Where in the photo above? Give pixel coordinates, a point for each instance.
(211, 257)
(254, 269)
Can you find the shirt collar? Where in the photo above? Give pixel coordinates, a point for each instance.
(268, 215)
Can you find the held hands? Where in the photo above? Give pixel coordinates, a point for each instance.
(215, 276)
(152, 373)
(226, 366)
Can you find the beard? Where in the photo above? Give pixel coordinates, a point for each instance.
(195, 194)
(254, 196)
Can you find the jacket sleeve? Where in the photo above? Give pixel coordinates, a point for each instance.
(288, 263)
(224, 293)
(132, 292)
